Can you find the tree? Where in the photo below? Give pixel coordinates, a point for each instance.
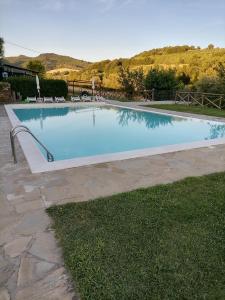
(126, 81)
(1, 48)
(161, 80)
(211, 46)
(131, 81)
(209, 84)
(220, 69)
(36, 65)
(138, 81)
(184, 78)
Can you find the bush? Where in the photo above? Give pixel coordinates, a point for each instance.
(132, 82)
(3, 86)
(161, 80)
(36, 65)
(210, 84)
(26, 86)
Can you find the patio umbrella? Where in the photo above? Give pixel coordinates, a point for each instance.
(38, 85)
(93, 83)
(93, 87)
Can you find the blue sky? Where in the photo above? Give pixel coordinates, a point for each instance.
(104, 29)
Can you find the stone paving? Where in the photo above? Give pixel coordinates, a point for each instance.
(31, 265)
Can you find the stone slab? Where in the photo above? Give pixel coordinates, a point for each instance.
(16, 247)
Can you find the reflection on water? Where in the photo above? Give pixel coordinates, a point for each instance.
(80, 131)
(43, 113)
(216, 131)
(151, 120)
(124, 116)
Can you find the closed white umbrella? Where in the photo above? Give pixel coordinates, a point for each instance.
(93, 83)
(38, 85)
(93, 87)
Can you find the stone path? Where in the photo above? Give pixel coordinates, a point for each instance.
(31, 265)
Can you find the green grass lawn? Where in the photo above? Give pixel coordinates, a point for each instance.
(190, 109)
(163, 242)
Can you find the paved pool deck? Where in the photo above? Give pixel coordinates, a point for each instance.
(31, 265)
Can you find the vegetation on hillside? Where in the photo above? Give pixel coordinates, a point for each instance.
(50, 61)
(193, 66)
(167, 81)
(132, 82)
(192, 63)
(36, 65)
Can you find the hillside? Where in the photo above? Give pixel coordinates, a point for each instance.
(51, 61)
(190, 60)
(193, 61)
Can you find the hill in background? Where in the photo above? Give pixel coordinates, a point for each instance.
(190, 60)
(51, 61)
(193, 61)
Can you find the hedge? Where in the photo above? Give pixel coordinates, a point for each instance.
(26, 86)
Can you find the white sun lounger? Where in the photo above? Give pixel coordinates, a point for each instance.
(48, 99)
(39, 100)
(75, 98)
(31, 99)
(86, 98)
(99, 98)
(60, 99)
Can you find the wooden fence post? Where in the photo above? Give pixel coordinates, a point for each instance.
(203, 96)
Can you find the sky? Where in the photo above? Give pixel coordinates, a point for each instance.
(94, 30)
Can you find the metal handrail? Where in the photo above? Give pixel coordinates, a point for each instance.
(22, 128)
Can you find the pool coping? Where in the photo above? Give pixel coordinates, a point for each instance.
(38, 163)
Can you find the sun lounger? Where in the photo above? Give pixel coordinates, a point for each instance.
(31, 99)
(75, 98)
(86, 98)
(99, 98)
(48, 99)
(60, 99)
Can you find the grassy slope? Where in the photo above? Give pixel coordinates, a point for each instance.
(191, 109)
(196, 62)
(202, 61)
(164, 242)
(50, 61)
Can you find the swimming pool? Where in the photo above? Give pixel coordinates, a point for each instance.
(97, 133)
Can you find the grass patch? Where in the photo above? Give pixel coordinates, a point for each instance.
(190, 109)
(163, 242)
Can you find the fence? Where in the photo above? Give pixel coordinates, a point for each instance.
(202, 99)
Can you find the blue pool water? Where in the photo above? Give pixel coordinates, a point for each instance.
(72, 132)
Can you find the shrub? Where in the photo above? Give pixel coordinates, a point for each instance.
(210, 84)
(132, 82)
(36, 65)
(3, 86)
(26, 86)
(183, 77)
(161, 80)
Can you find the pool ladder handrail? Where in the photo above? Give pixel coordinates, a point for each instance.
(22, 128)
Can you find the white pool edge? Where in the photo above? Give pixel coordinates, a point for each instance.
(38, 163)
